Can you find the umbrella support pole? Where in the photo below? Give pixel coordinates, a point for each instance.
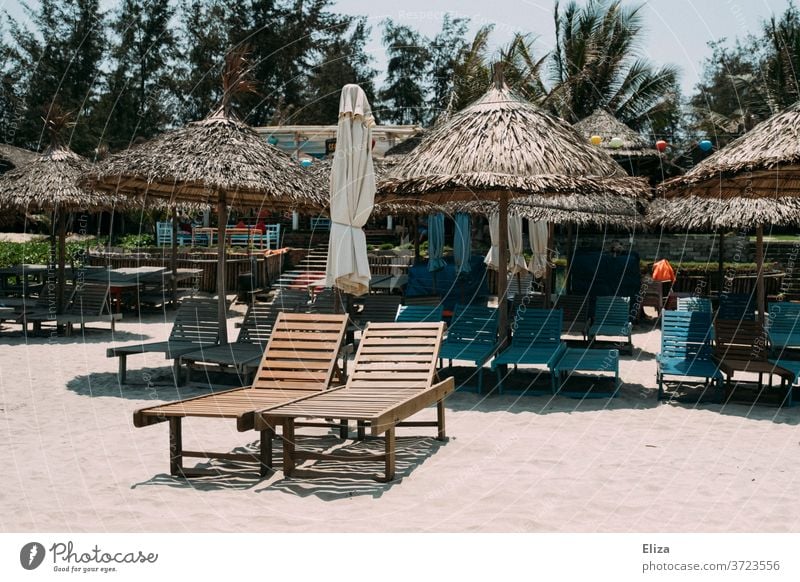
(502, 269)
(222, 316)
(62, 253)
(760, 295)
(720, 264)
(548, 270)
(173, 259)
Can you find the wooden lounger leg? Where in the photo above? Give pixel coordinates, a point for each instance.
(266, 451)
(390, 454)
(343, 429)
(176, 371)
(175, 447)
(288, 446)
(123, 367)
(441, 435)
(361, 433)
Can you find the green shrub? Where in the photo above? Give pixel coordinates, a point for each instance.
(386, 247)
(135, 241)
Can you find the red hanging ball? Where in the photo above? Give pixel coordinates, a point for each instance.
(661, 145)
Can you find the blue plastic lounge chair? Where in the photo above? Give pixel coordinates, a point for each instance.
(418, 314)
(536, 341)
(695, 304)
(472, 336)
(784, 326)
(686, 349)
(612, 318)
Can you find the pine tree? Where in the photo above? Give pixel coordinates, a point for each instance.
(403, 97)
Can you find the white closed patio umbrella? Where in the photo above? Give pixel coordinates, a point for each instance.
(352, 194)
(492, 259)
(537, 232)
(516, 263)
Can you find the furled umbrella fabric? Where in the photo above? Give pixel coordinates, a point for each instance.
(537, 232)
(462, 243)
(492, 259)
(516, 263)
(436, 242)
(352, 194)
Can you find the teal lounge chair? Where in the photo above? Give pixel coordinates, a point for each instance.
(612, 318)
(536, 341)
(419, 314)
(686, 349)
(695, 304)
(783, 326)
(472, 336)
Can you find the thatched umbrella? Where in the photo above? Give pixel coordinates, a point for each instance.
(502, 147)
(219, 160)
(14, 157)
(51, 183)
(751, 182)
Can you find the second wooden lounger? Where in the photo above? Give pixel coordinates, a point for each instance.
(299, 360)
(393, 377)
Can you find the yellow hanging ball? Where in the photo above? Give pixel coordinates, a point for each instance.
(596, 139)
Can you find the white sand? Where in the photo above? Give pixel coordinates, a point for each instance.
(72, 460)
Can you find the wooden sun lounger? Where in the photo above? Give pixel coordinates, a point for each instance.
(89, 304)
(299, 360)
(195, 325)
(393, 378)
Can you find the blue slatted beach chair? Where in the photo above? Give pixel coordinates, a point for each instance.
(612, 318)
(686, 349)
(536, 341)
(472, 336)
(784, 326)
(419, 313)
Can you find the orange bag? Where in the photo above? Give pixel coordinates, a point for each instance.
(663, 271)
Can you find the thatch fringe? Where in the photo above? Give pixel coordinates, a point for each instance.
(502, 142)
(701, 213)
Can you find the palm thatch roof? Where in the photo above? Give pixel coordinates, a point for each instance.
(406, 146)
(763, 162)
(605, 125)
(14, 156)
(503, 143)
(195, 163)
(52, 181)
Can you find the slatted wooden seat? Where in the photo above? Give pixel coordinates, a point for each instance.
(576, 313)
(536, 341)
(89, 303)
(393, 378)
(612, 318)
(686, 349)
(419, 313)
(695, 304)
(736, 306)
(743, 346)
(195, 325)
(472, 336)
(245, 352)
(299, 360)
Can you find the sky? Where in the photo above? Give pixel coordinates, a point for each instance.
(676, 31)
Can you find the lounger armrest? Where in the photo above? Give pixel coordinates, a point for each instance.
(402, 410)
(557, 355)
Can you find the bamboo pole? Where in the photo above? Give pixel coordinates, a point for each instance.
(62, 254)
(173, 260)
(548, 271)
(720, 263)
(570, 254)
(760, 273)
(222, 316)
(502, 268)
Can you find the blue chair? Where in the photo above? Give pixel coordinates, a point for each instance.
(612, 317)
(536, 340)
(418, 313)
(784, 326)
(695, 304)
(686, 349)
(471, 336)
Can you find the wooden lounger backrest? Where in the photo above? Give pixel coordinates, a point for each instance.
(301, 352)
(736, 306)
(740, 340)
(89, 299)
(397, 355)
(379, 309)
(695, 304)
(258, 323)
(611, 310)
(536, 327)
(576, 312)
(686, 335)
(196, 322)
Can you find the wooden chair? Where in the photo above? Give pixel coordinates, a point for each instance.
(472, 336)
(89, 303)
(378, 309)
(419, 313)
(576, 314)
(393, 378)
(686, 349)
(430, 300)
(245, 352)
(536, 341)
(299, 360)
(612, 318)
(743, 346)
(736, 306)
(695, 304)
(195, 325)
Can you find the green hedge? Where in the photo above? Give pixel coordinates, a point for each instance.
(34, 252)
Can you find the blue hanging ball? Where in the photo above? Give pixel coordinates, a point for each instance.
(305, 162)
(272, 140)
(706, 145)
